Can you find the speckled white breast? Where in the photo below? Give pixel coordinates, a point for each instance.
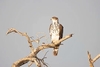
(55, 37)
(55, 33)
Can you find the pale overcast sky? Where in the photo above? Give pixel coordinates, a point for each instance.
(80, 17)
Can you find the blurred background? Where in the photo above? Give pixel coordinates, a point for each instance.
(80, 17)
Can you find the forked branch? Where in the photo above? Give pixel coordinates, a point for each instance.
(91, 61)
(32, 57)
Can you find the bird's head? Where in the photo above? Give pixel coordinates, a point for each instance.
(55, 20)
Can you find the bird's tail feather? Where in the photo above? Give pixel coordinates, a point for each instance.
(55, 52)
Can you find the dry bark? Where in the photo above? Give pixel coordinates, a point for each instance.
(91, 61)
(32, 57)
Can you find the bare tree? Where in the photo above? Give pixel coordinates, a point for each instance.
(91, 61)
(32, 57)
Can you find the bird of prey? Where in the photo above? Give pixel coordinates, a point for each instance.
(56, 33)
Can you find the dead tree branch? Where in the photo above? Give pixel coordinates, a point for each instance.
(22, 34)
(91, 61)
(97, 57)
(32, 57)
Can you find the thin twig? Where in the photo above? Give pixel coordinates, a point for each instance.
(37, 40)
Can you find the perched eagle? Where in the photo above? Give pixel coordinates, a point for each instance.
(56, 33)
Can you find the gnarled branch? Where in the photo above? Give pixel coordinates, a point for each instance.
(32, 57)
(22, 34)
